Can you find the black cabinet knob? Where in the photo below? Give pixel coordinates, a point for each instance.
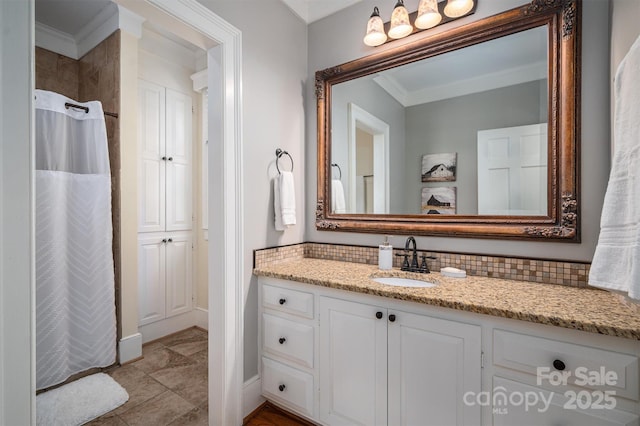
(282, 388)
(558, 365)
(170, 158)
(164, 158)
(164, 240)
(170, 240)
(282, 301)
(392, 318)
(282, 340)
(378, 315)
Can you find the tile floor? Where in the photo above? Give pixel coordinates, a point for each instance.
(167, 387)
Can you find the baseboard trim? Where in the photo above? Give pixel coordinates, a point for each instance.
(202, 318)
(130, 348)
(252, 395)
(159, 329)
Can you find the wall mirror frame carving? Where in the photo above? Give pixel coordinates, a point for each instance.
(562, 18)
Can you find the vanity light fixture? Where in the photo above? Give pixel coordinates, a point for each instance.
(456, 8)
(375, 30)
(400, 26)
(430, 13)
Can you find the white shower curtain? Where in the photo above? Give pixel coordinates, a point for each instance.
(75, 292)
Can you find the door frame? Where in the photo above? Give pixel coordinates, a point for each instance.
(226, 242)
(17, 252)
(359, 118)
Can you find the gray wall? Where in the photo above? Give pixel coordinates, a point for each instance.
(434, 128)
(274, 73)
(369, 96)
(338, 39)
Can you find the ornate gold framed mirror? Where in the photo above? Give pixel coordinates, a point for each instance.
(472, 132)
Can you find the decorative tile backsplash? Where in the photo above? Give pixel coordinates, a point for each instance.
(573, 274)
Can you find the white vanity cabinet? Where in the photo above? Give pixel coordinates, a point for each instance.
(350, 358)
(383, 366)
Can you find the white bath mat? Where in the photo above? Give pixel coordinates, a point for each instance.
(79, 402)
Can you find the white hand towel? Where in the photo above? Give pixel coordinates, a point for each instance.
(616, 262)
(276, 204)
(287, 199)
(338, 204)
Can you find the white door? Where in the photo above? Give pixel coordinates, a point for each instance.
(178, 154)
(178, 273)
(512, 171)
(432, 364)
(151, 277)
(151, 150)
(353, 361)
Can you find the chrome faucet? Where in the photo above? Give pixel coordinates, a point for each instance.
(410, 248)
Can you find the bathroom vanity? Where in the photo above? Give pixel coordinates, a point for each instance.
(339, 348)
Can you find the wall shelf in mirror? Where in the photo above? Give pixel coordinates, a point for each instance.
(502, 93)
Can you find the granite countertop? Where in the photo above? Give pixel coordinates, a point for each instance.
(585, 309)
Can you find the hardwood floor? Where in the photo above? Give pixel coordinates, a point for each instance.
(269, 415)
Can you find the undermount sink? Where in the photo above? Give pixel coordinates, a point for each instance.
(403, 282)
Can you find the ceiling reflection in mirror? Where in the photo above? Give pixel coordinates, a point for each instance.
(463, 132)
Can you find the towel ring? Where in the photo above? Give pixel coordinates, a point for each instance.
(280, 153)
(339, 169)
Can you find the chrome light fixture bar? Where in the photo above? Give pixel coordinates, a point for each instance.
(430, 13)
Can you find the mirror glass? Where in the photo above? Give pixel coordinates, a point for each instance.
(460, 133)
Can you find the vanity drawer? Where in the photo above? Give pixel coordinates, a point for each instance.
(583, 365)
(288, 339)
(287, 300)
(552, 408)
(288, 385)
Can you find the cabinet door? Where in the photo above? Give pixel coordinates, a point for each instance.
(151, 150)
(151, 278)
(179, 169)
(178, 270)
(353, 362)
(432, 364)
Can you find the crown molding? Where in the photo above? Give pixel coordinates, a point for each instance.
(105, 23)
(56, 41)
(130, 22)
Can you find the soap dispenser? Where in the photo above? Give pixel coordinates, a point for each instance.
(385, 255)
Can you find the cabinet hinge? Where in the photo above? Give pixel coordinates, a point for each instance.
(481, 359)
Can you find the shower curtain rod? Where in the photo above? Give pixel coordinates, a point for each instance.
(86, 109)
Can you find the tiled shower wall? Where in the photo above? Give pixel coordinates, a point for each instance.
(573, 274)
(95, 76)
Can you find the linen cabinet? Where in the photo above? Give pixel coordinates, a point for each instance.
(165, 218)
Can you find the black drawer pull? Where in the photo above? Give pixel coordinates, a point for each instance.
(282, 388)
(282, 301)
(282, 340)
(378, 314)
(558, 365)
(392, 318)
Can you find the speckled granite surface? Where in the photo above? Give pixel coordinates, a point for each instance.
(583, 309)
